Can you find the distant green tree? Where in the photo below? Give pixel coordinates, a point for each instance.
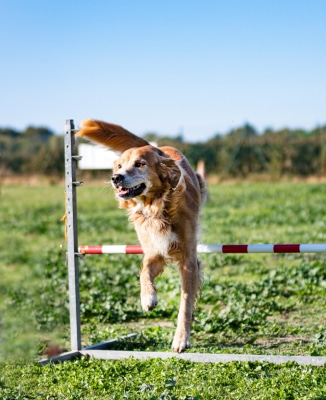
(41, 133)
(8, 132)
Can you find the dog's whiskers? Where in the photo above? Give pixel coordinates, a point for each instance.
(106, 187)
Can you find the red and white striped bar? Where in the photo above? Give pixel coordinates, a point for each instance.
(214, 248)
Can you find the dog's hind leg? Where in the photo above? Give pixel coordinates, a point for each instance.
(152, 267)
(191, 281)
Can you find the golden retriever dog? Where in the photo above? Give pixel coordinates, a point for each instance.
(163, 196)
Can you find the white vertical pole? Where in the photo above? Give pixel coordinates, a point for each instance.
(71, 215)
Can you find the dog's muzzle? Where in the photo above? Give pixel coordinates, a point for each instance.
(124, 189)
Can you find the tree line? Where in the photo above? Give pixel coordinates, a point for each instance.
(238, 153)
(243, 151)
(33, 151)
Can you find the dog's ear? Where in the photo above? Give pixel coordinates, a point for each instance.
(168, 171)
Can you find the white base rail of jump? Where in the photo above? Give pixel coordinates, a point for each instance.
(74, 252)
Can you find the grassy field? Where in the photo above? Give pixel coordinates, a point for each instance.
(250, 304)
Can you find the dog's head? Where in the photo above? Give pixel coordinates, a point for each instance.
(144, 171)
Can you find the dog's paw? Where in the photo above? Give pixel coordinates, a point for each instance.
(148, 302)
(180, 343)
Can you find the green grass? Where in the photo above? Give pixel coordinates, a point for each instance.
(157, 379)
(250, 304)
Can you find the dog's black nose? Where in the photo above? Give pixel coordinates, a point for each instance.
(116, 179)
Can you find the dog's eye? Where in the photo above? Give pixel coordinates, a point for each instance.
(119, 166)
(139, 164)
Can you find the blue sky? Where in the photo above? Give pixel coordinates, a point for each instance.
(173, 66)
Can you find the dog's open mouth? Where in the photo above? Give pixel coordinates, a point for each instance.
(128, 193)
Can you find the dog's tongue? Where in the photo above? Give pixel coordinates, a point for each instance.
(123, 191)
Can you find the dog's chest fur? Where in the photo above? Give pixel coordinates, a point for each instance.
(154, 228)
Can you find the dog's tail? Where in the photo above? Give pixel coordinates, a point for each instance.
(112, 136)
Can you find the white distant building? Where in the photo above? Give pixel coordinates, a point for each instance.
(95, 157)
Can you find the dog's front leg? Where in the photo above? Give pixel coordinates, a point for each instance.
(152, 267)
(190, 281)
